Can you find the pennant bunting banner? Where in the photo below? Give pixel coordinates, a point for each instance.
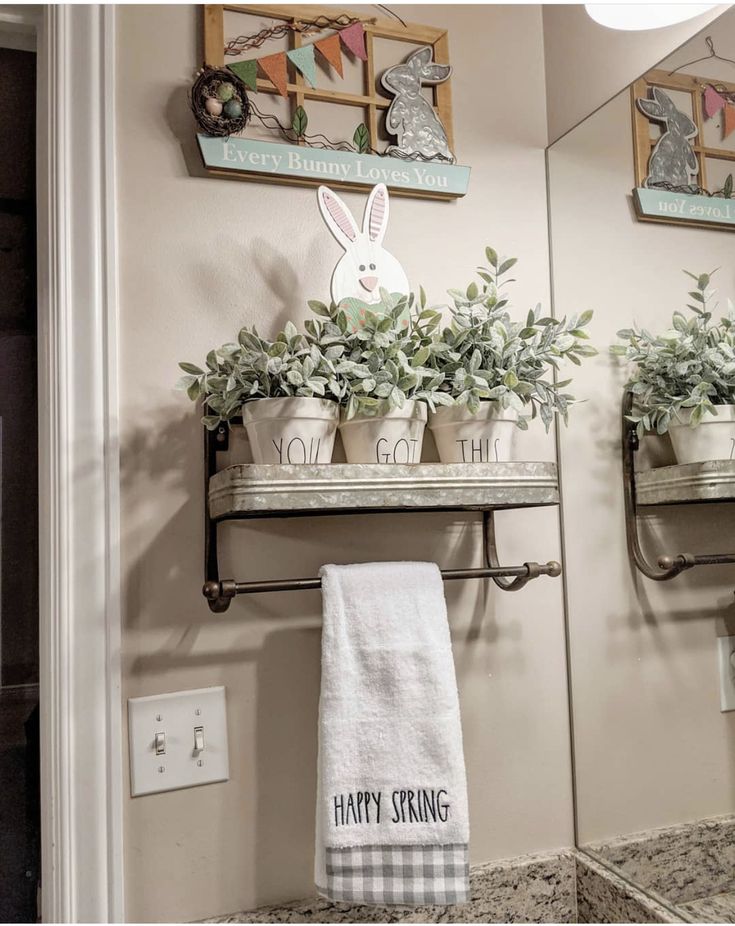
(303, 59)
(274, 68)
(353, 38)
(247, 71)
(713, 102)
(329, 50)
(729, 124)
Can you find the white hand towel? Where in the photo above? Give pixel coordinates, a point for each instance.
(392, 823)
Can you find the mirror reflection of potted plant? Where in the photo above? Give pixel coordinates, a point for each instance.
(287, 390)
(498, 372)
(387, 389)
(683, 381)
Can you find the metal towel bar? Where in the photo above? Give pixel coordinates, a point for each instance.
(220, 592)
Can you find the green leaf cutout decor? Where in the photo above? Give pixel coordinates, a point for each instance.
(361, 138)
(300, 121)
(727, 189)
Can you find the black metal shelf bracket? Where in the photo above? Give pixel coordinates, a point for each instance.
(220, 592)
(668, 566)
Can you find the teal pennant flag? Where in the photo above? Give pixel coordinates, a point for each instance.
(247, 71)
(303, 59)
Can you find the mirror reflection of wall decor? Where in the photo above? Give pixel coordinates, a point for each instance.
(307, 95)
(684, 148)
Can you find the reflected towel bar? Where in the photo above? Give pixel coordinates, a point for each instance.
(220, 592)
(669, 566)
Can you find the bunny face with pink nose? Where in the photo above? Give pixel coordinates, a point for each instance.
(366, 267)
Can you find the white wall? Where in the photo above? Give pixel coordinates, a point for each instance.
(651, 745)
(587, 64)
(199, 258)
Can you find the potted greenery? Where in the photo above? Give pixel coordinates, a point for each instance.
(684, 379)
(498, 372)
(287, 390)
(386, 389)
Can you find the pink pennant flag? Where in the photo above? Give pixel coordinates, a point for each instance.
(353, 39)
(713, 102)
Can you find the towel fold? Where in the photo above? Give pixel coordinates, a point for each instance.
(392, 824)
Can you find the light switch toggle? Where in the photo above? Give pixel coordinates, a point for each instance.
(198, 739)
(160, 744)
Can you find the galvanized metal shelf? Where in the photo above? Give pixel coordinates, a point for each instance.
(691, 482)
(249, 490)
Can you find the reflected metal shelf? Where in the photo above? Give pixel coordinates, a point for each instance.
(248, 490)
(669, 485)
(713, 481)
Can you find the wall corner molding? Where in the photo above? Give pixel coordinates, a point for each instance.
(81, 715)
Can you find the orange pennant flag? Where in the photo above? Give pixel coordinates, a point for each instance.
(329, 49)
(729, 123)
(274, 68)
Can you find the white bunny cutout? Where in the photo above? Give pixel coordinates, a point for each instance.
(366, 267)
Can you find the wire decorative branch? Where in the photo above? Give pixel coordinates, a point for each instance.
(272, 122)
(243, 43)
(319, 140)
(693, 190)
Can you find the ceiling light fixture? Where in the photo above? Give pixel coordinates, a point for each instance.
(636, 16)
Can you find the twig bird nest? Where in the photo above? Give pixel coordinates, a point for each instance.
(219, 101)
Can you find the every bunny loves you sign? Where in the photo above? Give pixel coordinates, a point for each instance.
(409, 103)
(682, 132)
(313, 166)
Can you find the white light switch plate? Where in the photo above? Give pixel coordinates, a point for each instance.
(177, 716)
(726, 648)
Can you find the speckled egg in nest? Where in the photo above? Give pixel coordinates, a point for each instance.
(219, 101)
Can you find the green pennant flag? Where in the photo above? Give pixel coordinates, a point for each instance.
(303, 59)
(247, 71)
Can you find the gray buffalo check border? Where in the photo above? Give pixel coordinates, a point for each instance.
(399, 874)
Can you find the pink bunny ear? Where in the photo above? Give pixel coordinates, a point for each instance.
(375, 221)
(337, 216)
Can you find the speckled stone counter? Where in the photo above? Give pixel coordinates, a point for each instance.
(605, 897)
(530, 889)
(681, 863)
(719, 908)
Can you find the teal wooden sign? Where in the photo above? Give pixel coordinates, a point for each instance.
(269, 160)
(662, 206)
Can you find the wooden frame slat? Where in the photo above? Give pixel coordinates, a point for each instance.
(370, 101)
(325, 96)
(642, 141)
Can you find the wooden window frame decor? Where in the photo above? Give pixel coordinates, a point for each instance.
(703, 207)
(344, 166)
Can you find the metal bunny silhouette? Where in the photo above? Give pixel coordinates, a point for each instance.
(673, 161)
(411, 117)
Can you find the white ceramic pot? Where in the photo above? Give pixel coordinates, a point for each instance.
(291, 430)
(486, 437)
(395, 436)
(712, 439)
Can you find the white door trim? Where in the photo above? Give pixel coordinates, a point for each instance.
(81, 718)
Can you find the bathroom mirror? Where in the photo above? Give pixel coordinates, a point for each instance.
(654, 754)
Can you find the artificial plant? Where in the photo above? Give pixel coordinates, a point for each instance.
(684, 373)
(257, 368)
(485, 355)
(382, 365)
